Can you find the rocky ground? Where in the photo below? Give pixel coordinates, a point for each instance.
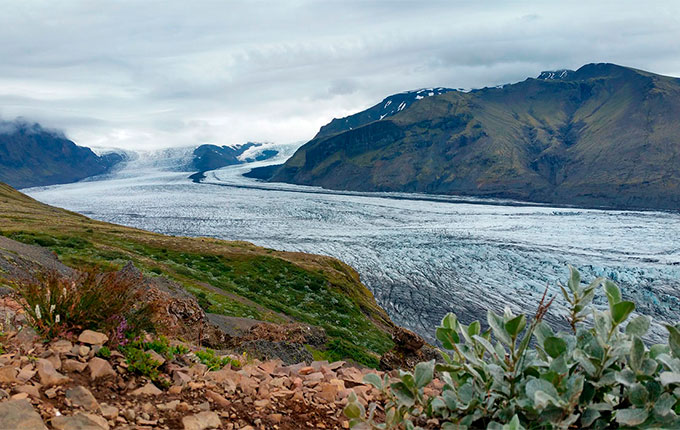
(65, 384)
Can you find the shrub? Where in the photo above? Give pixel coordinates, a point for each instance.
(213, 361)
(141, 362)
(104, 352)
(56, 304)
(521, 374)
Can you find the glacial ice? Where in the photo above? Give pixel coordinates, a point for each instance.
(422, 256)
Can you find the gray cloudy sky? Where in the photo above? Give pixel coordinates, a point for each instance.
(147, 74)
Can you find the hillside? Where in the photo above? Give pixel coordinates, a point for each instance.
(211, 157)
(33, 156)
(232, 279)
(602, 136)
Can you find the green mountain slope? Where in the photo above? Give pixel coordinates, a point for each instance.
(603, 135)
(230, 278)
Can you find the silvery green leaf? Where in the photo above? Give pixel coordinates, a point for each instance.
(664, 403)
(516, 325)
(574, 279)
(466, 393)
(638, 326)
(589, 416)
(424, 373)
(559, 365)
(621, 311)
(671, 362)
(554, 346)
(631, 417)
(450, 400)
(613, 292)
(565, 294)
(497, 325)
(674, 340)
(657, 349)
(450, 321)
(535, 385)
(638, 395)
(637, 353)
(625, 377)
(374, 380)
(403, 394)
(543, 399)
(601, 406)
(603, 325)
(542, 332)
(649, 367)
(585, 362)
(487, 345)
(514, 424)
(668, 378)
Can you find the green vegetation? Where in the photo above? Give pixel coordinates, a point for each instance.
(215, 362)
(142, 363)
(229, 278)
(56, 304)
(541, 140)
(104, 352)
(520, 374)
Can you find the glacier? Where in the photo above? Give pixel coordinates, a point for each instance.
(421, 255)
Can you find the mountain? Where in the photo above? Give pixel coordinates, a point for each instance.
(603, 135)
(211, 157)
(33, 156)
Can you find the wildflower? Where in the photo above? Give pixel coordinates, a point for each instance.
(38, 315)
(52, 308)
(57, 319)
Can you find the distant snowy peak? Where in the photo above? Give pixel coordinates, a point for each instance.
(561, 74)
(388, 107)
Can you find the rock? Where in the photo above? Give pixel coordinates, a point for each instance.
(218, 399)
(407, 340)
(51, 393)
(48, 375)
(201, 421)
(100, 368)
(62, 346)
(19, 396)
(109, 412)
(156, 356)
(170, 406)
(8, 374)
(26, 337)
(31, 390)
(19, 414)
(82, 397)
(26, 374)
(180, 378)
(73, 366)
(409, 350)
(55, 360)
(147, 390)
(288, 352)
(83, 350)
(93, 338)
(79, 421)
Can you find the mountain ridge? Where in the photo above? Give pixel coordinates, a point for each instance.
(31, 155)
(601, 136)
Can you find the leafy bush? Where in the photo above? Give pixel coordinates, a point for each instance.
(104, 352)
(56, 304)
(213, 361)
(520, 374)
(141, 362)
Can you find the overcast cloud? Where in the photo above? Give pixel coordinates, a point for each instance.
(147, 74)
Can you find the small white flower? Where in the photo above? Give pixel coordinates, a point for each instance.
(52, 308)
(37, 312)
(57, 319)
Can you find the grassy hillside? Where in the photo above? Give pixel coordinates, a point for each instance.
(604, 135)
(236, 278)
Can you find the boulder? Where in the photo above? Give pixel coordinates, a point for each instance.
(48, 375)
(93, 338)
(201, 421)
(19, 414)
(79, 421)
(82, 397)
(100, 368)
(147, 390)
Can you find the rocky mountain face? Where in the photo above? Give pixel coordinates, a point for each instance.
(33, 156)
(211, 157)
(602, 136)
